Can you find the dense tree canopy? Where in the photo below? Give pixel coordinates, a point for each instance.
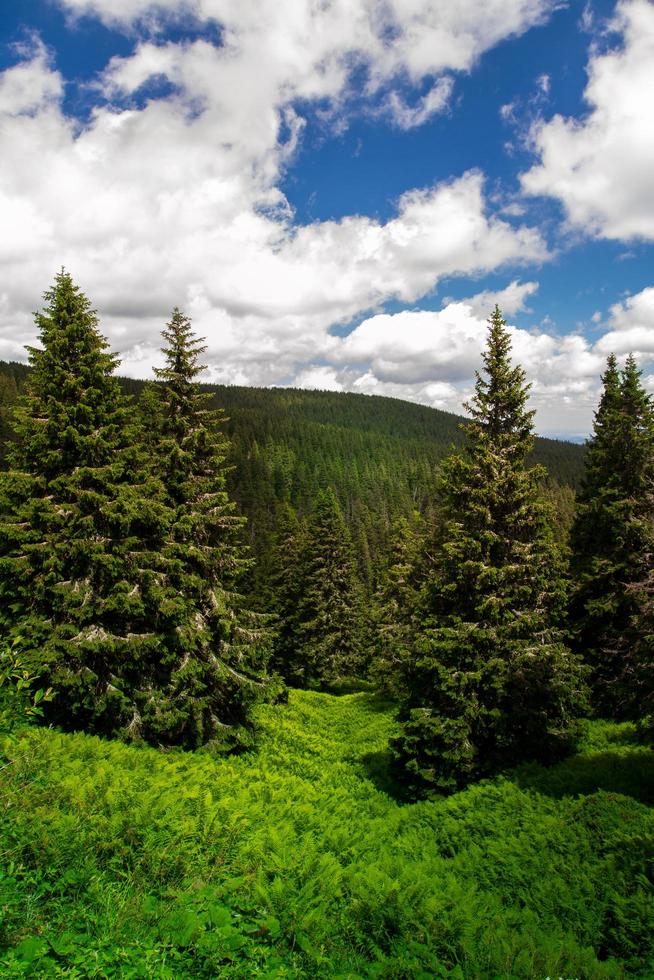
(320, 600)
(381, 457)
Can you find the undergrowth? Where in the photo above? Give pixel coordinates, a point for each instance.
(296, 861)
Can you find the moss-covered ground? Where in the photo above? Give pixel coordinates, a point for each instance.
(296, 860)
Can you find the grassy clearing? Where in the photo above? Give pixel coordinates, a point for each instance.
(293, 861)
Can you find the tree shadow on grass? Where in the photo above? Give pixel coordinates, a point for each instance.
(629, 772)
(378, 704)
(381, 769)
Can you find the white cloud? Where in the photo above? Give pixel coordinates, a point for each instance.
(318, 376)
(421, 36)
(544, 82)
(408, 117)
(431, 357)
(309, 50)
(632, 327)
(436, 394)
(176, 201)
(600, 167)
(31, 85)
(587, 19)
(635, 311)
(510, 300)
(417, 346)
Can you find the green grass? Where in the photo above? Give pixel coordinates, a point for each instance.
(293, 861)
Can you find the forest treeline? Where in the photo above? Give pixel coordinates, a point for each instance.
(379, 455)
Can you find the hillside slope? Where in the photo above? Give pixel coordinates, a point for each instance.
(381, 455)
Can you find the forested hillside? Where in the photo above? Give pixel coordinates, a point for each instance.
(380, 456)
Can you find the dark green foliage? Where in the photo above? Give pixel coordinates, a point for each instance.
(125, 862)
(491, 681)
(8, 399)
(320, 604)
(637, 670)
(117, 543)
(396, 603)
(210, 674)
(612, 540)
(79, 573)
(381, 455)
(287, 585)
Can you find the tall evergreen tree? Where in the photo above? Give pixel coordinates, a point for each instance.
(328, 628)
(491, 682)
(287, 590)
(216, 657)
(395, 605)
(80, 579)
(611, 533)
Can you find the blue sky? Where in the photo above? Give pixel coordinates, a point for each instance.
(338, 193)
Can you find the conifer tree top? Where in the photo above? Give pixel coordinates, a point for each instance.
(610, 397)
(182, 351)
(498, 407)
(72, 409)
(68, 327)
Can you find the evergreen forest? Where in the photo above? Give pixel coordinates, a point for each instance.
(313, 684)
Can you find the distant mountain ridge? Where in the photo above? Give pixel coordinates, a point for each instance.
(389, 417)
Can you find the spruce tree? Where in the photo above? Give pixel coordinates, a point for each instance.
(287, 590)
(611, 533)
(329, 628)
(80, 581)
(216, 655)
(491, 682)
(395, 605)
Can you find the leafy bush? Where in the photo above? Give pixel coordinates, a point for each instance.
(20, 699)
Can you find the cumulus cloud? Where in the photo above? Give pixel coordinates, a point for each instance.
(319, 376)
(600, 166)
(175, 199)
(32, 84)
(425, 36)
(417, 346)
(631, 327)
(310, 50)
